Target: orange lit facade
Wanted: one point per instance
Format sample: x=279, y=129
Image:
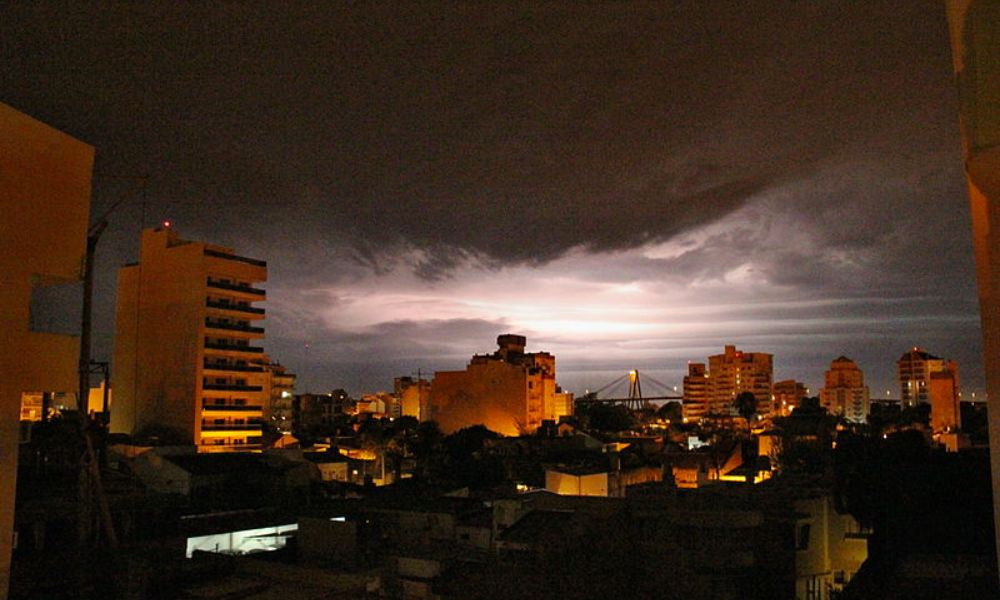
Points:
x=734, y=372
x=974, y=27
x=914, y=370
x=509, y=391
x=187, y=343
x=695, y=401
x=414, y=396
x=844, y=391
x=45, y=201
x=946, y=414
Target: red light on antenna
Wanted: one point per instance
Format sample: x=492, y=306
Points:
x=167, y=224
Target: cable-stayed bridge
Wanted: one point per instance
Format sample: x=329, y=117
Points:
x=635, y=399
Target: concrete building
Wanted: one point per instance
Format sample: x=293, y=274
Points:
x=319, y=411
x=914, y=369
x=45, y=201
x=974, y=27
x=414, y=396
x=946, y=413
x=844, y=391
x=509, y=391
x=829, y=548
x=186, y=343
x=279, y=387
x=786, y=396
x=734, y=372
x=695, y=402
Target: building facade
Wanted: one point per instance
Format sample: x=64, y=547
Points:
x=786, y=396
x=279, y=384
x=414, y=396
x=509, y=391
x=844, y=391
x=695, y=401
x=913, y=370
x=45, y=201
x=187, y=334
x=734, y=372
x=946, y=412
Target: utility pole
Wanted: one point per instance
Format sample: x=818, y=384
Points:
x=90, y=469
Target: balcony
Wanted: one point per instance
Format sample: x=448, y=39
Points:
x=244, y=427
x=233, y=347
x=228, y=306
x=235, y=257
x=234, y=287
x=240, y=368
x=231, y=387
x=233, y=326
x=232, y=408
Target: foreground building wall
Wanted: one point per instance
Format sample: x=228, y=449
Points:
x=45, y=203
x=975, y=31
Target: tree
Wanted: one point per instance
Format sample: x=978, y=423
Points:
x=672, y=411
x=605, y=417
x=746, y=405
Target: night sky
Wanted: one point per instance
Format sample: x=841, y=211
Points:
x=629, y=185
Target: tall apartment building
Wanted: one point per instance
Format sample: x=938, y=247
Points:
x=844, y=391
x=45, y=205
x=734, y=372
x=187, y=353
x=279, y=385
x=914, y=369
x=786, y=396
x=509, y=391
x=695, y=396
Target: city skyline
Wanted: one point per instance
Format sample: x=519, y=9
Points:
x=628, y=189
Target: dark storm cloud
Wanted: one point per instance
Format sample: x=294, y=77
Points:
x=748, y=154
x=508, y=133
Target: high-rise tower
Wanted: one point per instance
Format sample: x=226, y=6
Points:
x=187, y=354
x=844, y=391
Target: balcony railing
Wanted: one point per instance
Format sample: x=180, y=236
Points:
x=243, y=259
x=231, y=387
x=244, y=427
x=232, y=408
x=239, y=368
x=228, y=306
x=235, y=287
x=233, y=326
x=233, y=347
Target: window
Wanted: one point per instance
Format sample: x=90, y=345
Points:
x=802, y=539
x=240, y=401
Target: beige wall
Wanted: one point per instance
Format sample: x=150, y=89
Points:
x=45, y=203
x=493, y=394
x=160, y=336
x=567, y=484
x=975, y=28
